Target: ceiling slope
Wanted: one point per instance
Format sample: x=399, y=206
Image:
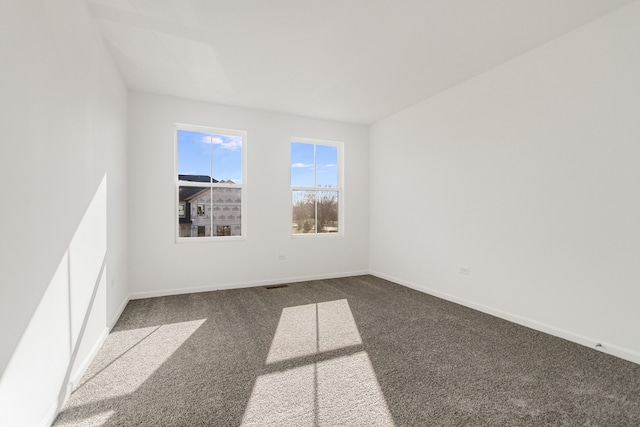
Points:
x=355, y=61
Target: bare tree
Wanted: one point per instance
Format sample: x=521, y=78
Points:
x=315, y=208
x=327, y=210
x=304, y=211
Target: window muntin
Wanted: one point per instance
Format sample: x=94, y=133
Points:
x=210, y=182
x=315, y=186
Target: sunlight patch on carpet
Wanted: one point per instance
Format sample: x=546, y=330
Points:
x=154, y=345
x=312, y=328
x=296, y=334
x=94, y=420
x=341, y=390
x=336, y=326
x=349, y=393
x=282, y=398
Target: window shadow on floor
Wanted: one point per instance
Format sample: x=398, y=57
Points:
x=256, y=356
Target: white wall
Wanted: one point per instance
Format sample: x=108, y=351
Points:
x=529, y=174
x=63, y=115
x=159, y=265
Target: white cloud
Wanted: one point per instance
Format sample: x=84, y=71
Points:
x=228, y=142
x=300, y=165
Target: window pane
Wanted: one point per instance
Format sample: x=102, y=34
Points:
x=227, y=211
x=304, y=212
x=194, y=156
x=302, y=165
x=194, y=211
x=327, y=208
x=326, y=166
x=227, y=158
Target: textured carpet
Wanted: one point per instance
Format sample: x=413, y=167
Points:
x=352, y=351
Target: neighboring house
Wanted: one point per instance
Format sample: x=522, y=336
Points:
x=204, y=211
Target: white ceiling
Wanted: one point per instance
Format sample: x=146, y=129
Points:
x=349, y=60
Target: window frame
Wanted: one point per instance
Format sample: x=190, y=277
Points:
x=177, y=184
x=339, y=189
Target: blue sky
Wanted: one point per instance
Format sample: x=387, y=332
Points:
x=305, y=172
x=196, y=151
x=220, y=156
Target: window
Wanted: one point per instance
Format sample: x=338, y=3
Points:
x=210, y=178
x=316, y=186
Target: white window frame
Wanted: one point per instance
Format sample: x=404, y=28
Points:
x=178, y=184
x=339, y=189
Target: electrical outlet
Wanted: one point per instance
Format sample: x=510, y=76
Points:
x=282, y=257
x=464, y=269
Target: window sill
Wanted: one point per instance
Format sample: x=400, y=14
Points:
x=316, y=235
x=182, y=240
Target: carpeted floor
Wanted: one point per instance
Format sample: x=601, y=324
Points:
x=352, y=351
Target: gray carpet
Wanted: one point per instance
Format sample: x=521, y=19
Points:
x=352, y=351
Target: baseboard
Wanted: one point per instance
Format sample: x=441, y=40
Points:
x=77, y=375
x=75, y=378
x=236, y=285
x=590, y=342
x=82, y=368
x=118, y=313
x=48, y=419
x=52, y=413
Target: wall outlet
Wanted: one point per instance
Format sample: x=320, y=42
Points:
x=282, y=257
x=464, y=269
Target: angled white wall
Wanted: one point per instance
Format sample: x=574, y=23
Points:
x=63, y=115
x=527, y=174
x=159, y=265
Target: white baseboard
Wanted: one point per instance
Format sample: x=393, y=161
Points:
x=118, y=313
x=77, y=375
x=236, y=285
x=82, y=368
x=590, y=342
x=48, y=419
x=52, y=413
